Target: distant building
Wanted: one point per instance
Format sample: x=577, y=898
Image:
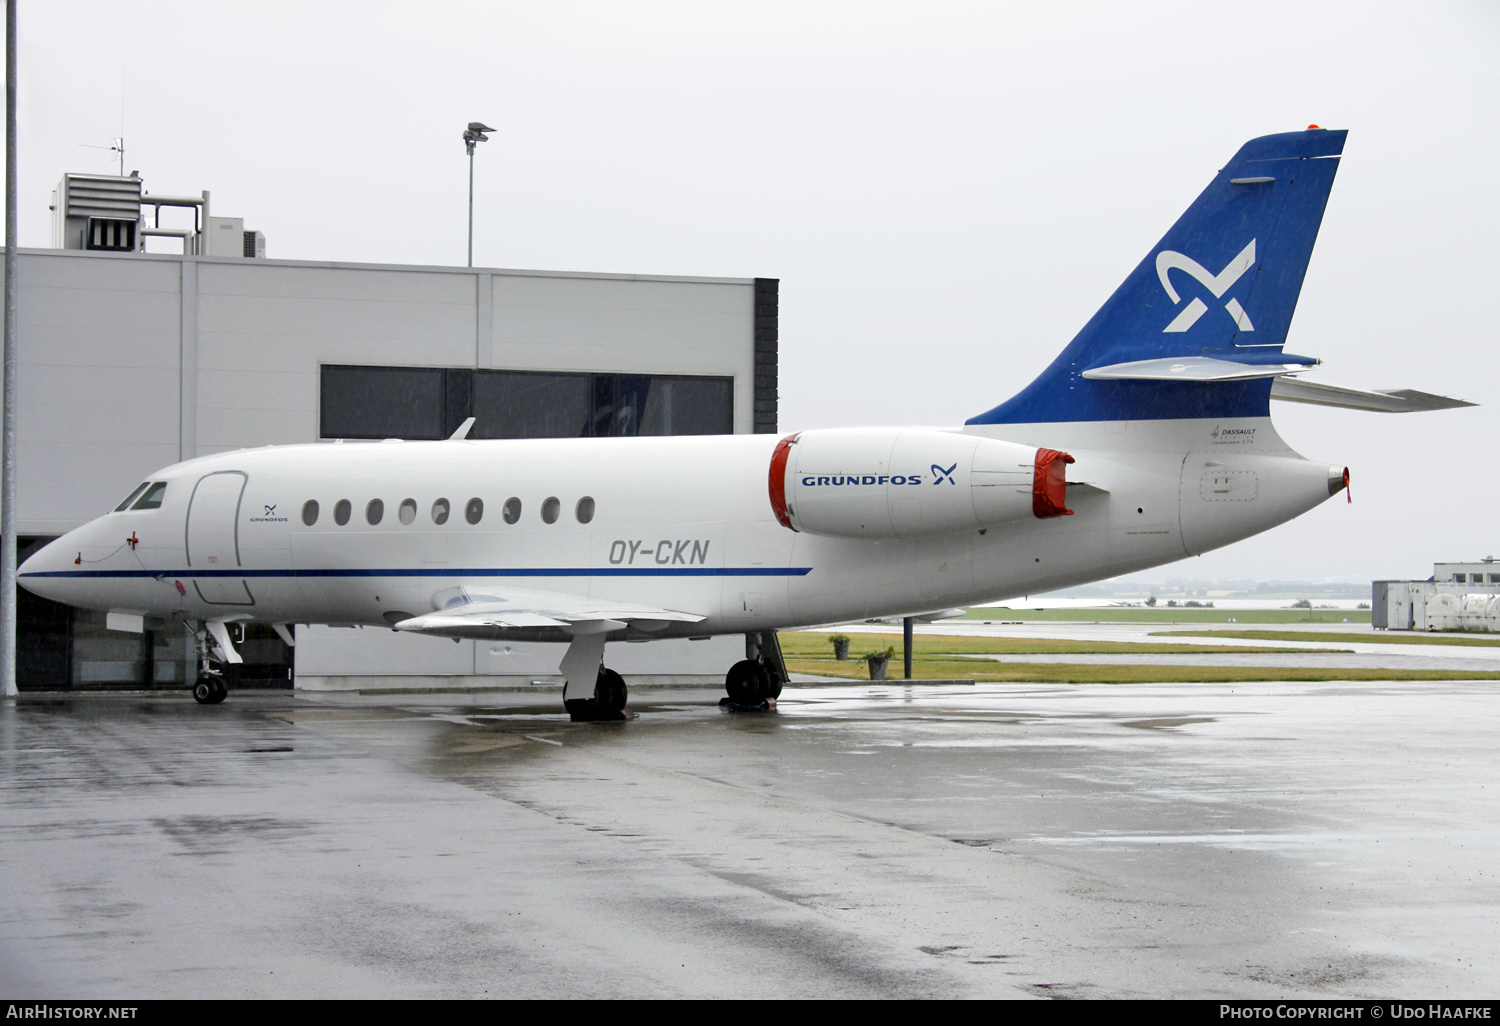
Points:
x=1458, y=596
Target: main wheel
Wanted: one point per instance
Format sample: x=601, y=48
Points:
x=580, y=710
x=610, y=694
x=209, y=691
x=221, y=691
x=747, y=682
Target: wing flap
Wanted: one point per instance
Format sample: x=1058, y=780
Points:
x=463, y=614
x=436, y=623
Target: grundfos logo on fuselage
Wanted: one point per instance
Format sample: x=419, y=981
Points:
x=269, y=518
x=939, y=476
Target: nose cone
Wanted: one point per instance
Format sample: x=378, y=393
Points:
x=50, y=571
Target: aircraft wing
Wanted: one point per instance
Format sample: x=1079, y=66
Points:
x=464, y=614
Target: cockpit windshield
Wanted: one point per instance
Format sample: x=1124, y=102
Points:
x=131, y=497
x=152, y=498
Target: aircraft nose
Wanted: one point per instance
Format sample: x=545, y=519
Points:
x=37, y=573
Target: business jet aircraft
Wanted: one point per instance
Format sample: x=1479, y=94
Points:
x=1147, y=440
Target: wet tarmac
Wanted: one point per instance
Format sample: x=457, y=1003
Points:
x=1322, y=840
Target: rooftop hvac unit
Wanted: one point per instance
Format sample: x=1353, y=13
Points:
x=222, y=236
x=227, y=237
x=81, y=199
x=109, y=233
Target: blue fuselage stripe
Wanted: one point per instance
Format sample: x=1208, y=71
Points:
x=611, y=571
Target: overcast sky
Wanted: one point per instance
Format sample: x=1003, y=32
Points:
x=947, y=191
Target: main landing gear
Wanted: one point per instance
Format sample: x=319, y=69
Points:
x=210, y=687
x=608, y=703
x=754, y=683
x=593, y=691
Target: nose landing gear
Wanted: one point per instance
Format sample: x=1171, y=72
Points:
x=582, y=665
x=210, y=687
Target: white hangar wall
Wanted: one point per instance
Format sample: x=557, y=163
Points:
x=129, y=362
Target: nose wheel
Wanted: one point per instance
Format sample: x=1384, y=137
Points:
x=210, y=687
x=210, y=690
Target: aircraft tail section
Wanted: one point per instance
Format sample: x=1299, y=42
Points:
x=1197, y=328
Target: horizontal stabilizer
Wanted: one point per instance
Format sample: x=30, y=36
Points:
x=1191, y=368
x=1404, y=400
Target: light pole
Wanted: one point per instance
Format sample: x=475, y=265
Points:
x=473, y=134
x=8, y=430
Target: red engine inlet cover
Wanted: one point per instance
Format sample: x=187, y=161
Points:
x=1049, y=485
x=778, y=480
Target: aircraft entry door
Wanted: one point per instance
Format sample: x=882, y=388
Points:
x=213, y=537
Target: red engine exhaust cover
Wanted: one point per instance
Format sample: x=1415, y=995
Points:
x=1049, y=485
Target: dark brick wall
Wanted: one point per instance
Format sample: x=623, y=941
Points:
x=766, y=300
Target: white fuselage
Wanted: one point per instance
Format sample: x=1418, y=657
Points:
x=680, y=523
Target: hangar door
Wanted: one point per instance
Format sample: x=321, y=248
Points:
x=213, y=538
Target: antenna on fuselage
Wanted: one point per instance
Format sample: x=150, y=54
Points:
x=463, y=431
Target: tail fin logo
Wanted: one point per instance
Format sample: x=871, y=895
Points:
x=1218, y=284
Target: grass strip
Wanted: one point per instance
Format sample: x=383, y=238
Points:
x=1137, y=614
x=815, y=645
x=1074, y=673
x=1364, y=639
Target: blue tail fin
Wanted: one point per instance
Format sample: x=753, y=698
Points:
x=1222, y=283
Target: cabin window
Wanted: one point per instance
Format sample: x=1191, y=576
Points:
x=512, y=511
x=310, y=512
x=549, y=510
x=341, y=512
x=474, y=511
x=152, y=498
x=132, y=496
x=374, y=512
x=408, y=511
x=440, y=510
x=584, y=511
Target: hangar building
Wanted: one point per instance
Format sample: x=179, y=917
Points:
x=131, y=360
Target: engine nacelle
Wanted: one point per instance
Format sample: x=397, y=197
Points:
x=907, y=483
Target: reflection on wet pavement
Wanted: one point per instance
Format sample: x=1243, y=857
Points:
x=1094, y=840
